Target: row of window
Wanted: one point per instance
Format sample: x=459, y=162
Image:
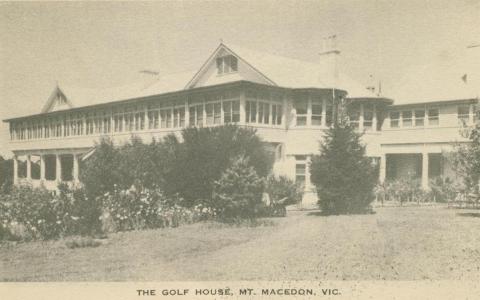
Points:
x=50, y=163
x=430, y=117
x=203, y=111
x=317, y=105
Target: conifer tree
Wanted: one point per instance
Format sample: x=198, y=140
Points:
x=238, y=192
x=343, y=175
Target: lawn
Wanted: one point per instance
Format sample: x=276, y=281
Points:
x=402, y=243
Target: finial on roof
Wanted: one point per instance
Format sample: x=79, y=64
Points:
x=221, y=41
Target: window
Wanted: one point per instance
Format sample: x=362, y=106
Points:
x=227, y=64
x=301, y=110
x=209, y=112
x=139, y=120
x=394, y=119
x=463, y=112
x=107, y=123
x=263, y=112
x=179, y=117
x=317, y=107
x=354, y=118
x=251, y=111
x=433, y=117
x=231, y=111
x=367, y=116
x=153, y=119
x=419, y=118
x=217, y=113
x=277, y=114
x=300, y=168
x=166, y=118
x=196, y=115
x=129, y=120
x=407, y=118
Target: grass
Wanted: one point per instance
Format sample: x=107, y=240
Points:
x=406, y=243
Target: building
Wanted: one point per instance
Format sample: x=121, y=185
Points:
x=290, y=103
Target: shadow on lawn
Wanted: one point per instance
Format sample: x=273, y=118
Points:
x=470, y=214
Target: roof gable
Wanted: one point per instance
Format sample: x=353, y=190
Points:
x=207, y=75
x=57, y=101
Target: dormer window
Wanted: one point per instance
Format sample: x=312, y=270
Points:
x=227, y=64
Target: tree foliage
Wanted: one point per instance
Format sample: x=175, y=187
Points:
x=343, y=175
x=238, y=193
x=204, y=154
x=466, y=159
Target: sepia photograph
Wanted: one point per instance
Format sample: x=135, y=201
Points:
x=241, y=149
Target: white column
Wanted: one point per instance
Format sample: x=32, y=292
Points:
x=75, y=168
x=15, y=170
x=42, y=167
x=425, y=170
x=147, y=119
x=374, y=120
x=360, y=120
x=187, y=114
x=243, y=118
x=58, y=171
x=29, y=168
x=285, y=112
x=324, y=112
x=383, y=168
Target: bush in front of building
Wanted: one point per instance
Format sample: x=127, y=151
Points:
x=465, y=160
x=238, y=192
x=282, y=192
x=205, y=154
x=6, y=175
x=343, y=175
x=100, y=172
x=139, y=208
x=35, y=213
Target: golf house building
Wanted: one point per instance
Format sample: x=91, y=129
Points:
x=289, y=102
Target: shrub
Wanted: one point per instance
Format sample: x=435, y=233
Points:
x=344, y=177
x=283, y=191
x=137, y=209
x=31, y=213
x=442, y=189
x=204, y=155
x=100, y=172
x=238, y=193
x=6, y=175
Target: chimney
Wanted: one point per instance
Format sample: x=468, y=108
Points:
x=330, y=54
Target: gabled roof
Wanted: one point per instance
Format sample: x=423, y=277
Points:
x=277, y=70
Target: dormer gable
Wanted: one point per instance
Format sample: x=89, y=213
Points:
x=224, y=66
x=57, y=101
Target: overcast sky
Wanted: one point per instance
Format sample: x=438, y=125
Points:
x=97, y=45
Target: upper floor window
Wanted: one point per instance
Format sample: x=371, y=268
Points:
x=419, y=118
x=407, y=118
x=433, y=117
x=367, y=116
x=394, y=119
x=227, y=64
x=301, y=107
x=354, y=118
x=463, y=112
x=317, y=109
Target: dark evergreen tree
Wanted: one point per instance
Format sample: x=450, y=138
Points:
x=344, y=177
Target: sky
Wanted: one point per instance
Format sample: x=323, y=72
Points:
x=106, y=44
